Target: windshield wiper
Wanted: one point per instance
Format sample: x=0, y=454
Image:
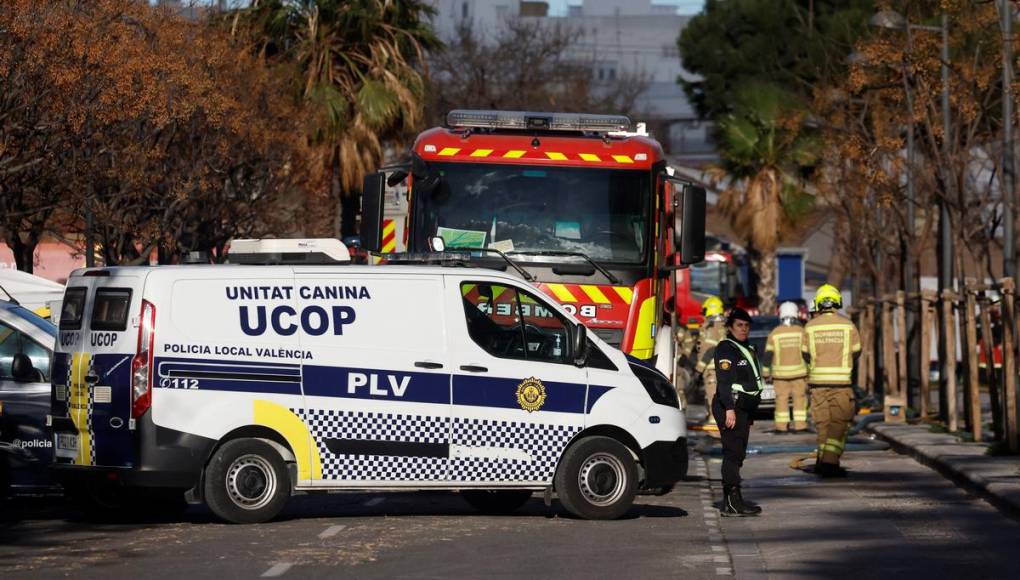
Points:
x=609, y=275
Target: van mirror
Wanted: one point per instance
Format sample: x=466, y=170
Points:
x=689, y=224
x=22, y=370
x=579, y=345
x=373, y=193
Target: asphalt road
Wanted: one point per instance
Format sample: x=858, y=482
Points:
x=892, y=517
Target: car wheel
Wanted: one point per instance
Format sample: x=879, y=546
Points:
x=597, y=479
x=496, y=502
x=246, y=482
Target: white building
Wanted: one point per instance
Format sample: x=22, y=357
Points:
x=636, y=37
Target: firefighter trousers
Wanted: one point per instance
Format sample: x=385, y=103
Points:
x=708, y=379
x=787, y=391
x=832, y=409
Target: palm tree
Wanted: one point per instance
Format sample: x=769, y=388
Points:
x=359, y=64
x=767, y=151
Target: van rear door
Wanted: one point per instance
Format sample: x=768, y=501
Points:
x=92, y=368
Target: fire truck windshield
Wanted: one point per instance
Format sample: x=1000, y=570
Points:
x=603, y=213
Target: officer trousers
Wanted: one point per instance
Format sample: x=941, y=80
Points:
x=787, y=389
x=708, y=379
x=832, y=409
x=734, y=442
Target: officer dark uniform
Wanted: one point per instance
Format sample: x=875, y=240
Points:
x=740, y=383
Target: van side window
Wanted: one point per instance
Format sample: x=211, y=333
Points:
x=509, y=323
x=13, y=342
x=72, y=309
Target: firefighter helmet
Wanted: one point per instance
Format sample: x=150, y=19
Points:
x=712, y=306
x=828, y=298
x=788, y=311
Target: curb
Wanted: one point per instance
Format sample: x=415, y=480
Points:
x=1004, y=496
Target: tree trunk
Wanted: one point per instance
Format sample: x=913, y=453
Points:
x=349, y=219
x=765, y=266
x=336, y=195
x=24, y=253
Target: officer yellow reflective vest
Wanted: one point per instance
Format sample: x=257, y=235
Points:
x=759, y=382
x=831, y=343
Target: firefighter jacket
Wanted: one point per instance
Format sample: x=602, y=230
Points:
x=784, y=357
x=737, y=371
x=711, y=333
x=831, y=347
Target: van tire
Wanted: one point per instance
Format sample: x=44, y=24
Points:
x=246, y=482
x=497, y=502
x=596, y=479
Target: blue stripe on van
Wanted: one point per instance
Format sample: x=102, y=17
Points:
x=479, y=391
x=229, y=375
x=322, y=381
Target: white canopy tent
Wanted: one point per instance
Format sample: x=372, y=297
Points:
x=30, y=291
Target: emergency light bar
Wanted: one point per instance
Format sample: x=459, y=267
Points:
x=462, y=118
x=289, y=251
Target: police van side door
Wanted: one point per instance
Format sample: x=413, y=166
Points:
x=377, y=385
x=517, y=398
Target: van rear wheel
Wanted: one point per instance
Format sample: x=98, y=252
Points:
x=597, y=479
x=246, y=482
x=496, y=502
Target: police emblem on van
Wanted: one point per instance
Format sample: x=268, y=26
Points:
x=531, y=394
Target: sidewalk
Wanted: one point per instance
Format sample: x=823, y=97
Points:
x=996, y=479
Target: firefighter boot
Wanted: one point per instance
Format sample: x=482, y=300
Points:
x=733, y=503
x=829, y=470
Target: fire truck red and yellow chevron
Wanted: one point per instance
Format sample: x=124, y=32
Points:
x=532, y=154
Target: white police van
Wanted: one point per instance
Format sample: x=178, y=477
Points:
x=240, y=385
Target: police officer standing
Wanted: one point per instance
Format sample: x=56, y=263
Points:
x=784, y=361
x=832, y=346
x=712, y=331
x=739, y=392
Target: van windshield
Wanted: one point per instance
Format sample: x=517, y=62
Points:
x=603, y=213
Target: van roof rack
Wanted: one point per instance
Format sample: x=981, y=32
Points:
x=461, y=257
x=288, y=251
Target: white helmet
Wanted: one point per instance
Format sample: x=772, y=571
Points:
x=788, y=311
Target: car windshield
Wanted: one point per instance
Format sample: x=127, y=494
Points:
x=602, y=213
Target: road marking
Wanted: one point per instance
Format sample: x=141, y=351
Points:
x=724, y=571
x=718, y=549
x=374, y=501
x=331, y=531
x=720, y=559
x=278, y=569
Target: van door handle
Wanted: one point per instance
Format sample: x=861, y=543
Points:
x=424, y=364
x=474, y=369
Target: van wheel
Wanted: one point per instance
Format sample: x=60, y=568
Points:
x=246, y=482
x=496, y=502
x=596, y=479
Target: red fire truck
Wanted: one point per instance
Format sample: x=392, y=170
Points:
x=587, y=209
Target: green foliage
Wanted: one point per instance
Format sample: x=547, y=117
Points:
x=792, y=43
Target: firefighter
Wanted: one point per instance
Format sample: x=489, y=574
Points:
x=685, y=341
x=832, y=346
x=784, y=362
x=739, y=394
x=712, y=331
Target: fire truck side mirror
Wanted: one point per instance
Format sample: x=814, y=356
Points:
x=372, y=195
x=689, y=224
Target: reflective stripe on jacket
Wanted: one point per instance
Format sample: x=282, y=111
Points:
x=786, y=344
x=832, y=340
x=752, y=361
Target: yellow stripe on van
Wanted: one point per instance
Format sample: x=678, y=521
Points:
x=78, y=406
x=294, y=430
x=595, y=294
x=561, y=293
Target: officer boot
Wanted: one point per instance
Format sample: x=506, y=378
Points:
x=751, y=507
x=733, y=504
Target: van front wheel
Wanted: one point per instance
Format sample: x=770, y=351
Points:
x=246, y=482
x=596, y=479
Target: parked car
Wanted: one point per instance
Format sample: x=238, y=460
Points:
x=761, y=326
x=26, y=447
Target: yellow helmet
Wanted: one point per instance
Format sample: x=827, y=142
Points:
x=828, y=297
x=712, y=306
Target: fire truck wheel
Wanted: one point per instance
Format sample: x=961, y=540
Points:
x=596, y=479
x=496, y=502
x=246, y=482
